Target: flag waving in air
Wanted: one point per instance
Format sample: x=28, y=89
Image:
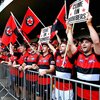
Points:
x=9, y=35
x=61, y=16
x=30, y=21
x=60, y=22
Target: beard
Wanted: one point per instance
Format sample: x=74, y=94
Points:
x=86, y=51
x=62, y=52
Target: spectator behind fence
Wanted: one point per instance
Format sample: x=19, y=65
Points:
x=46, y=66
x=31, y=76
x=87, y=63
x=24, y=55
x=63, y=89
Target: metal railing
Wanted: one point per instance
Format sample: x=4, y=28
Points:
x=29, y=85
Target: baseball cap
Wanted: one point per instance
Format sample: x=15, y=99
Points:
x=34, y=44
x=44, y=43
x=86, y=37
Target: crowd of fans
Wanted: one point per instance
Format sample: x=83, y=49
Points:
x=67, y=59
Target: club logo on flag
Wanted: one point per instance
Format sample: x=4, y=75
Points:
x=29, y=21
x=8, y=31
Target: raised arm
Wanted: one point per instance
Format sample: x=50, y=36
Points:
x=93, y=34
x=52, y=48
x=70, y=39
x=58, y=38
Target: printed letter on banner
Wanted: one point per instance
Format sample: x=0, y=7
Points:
x=78, y=11
x=45, y=34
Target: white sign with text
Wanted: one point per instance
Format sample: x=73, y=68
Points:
x=78, y=11
x=45, y=34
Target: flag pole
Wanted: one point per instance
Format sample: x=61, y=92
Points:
x=38, y=18
x=68, y=41
x=67, y=48
x=65, y=9
x=18, y=42
x=8, y=48
x=21, y=32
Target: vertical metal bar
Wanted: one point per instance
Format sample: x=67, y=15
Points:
x=46, y=88
x=18, y=82
x=81, y=91
x=99, y=93
x=58, y=88
x=31, y=85
x=75, y=91
x=24, y=86
x=51, y=87
x=90, y=93
x=69, y=90
x=63, y=90
x=43, y=89
x=54, y=87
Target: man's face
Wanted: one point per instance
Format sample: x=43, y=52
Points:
x=45, y=48
x=34, y=47
x=22, y=49
x=86, y=46
x=62, y=48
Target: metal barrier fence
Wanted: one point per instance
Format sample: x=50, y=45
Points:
x=38, y=86
x=5, y=92
x=70, y=89
x=29, y=85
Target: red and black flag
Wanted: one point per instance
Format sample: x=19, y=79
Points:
x=9, y=35
x=53, y=33
x=60, y=22
x=22, y=35
x=30, y=21
x=25, y=37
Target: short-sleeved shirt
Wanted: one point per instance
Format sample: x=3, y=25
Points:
x=64, y=71
x=88, y=70
x=44, y=64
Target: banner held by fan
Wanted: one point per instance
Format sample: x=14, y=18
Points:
x=45, y=34
x=78, y=11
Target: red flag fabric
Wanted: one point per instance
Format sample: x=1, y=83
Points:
x=9, y=35
x=61, y=16
x=52, y=34
x=60, y=22
x=30, y=21
x=25, y=37
x=13, y=38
